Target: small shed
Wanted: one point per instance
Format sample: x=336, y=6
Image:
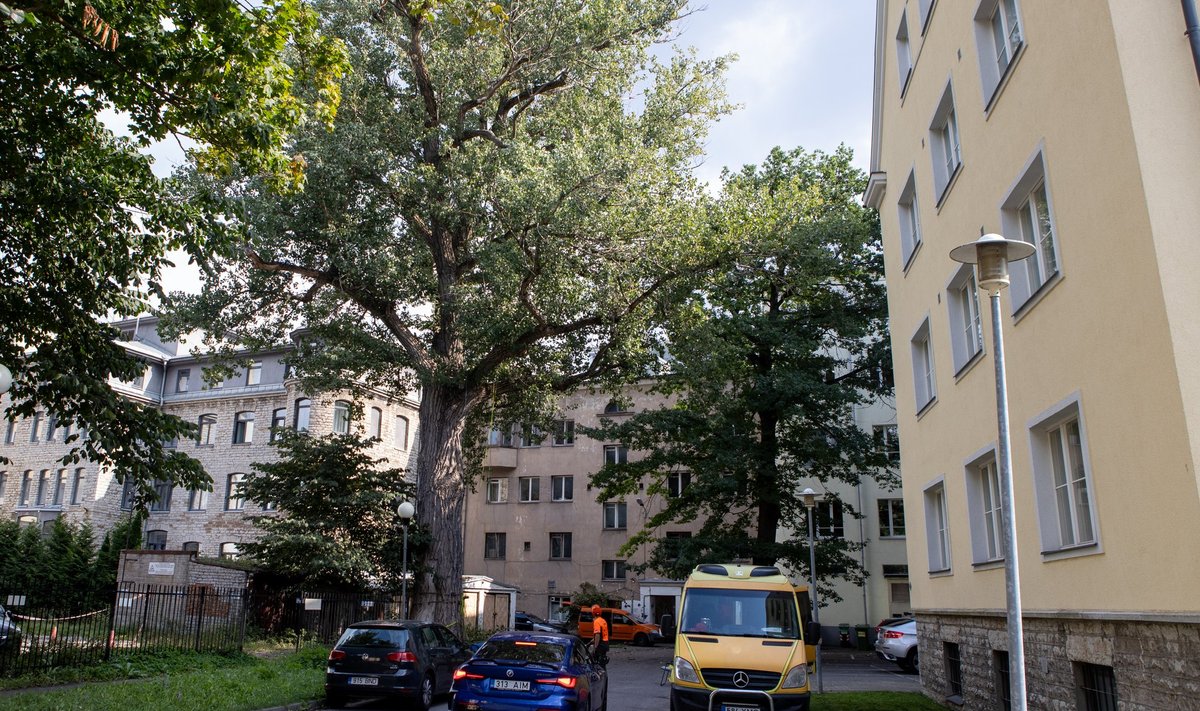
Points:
x=488, y=604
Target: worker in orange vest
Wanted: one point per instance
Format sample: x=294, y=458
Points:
x=599, y=635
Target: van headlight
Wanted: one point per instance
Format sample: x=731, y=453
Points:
x=796, y=678
x=684, y=671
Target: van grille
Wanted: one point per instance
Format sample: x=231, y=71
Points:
x=759, y=680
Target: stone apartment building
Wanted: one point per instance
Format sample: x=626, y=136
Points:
x=1074, y=127
x=235, y=418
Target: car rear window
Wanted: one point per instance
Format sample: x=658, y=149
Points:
x=522, y=651
x=377, y=637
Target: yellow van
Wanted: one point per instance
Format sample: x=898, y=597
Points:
x=740, y=642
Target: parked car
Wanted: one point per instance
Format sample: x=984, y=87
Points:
x=897, y=643
x=621, y=627
x=531, y=670
x=406, y=660
x=890, y=621
x=533, y=623
x=10, y=634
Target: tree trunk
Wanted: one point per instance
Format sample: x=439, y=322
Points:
x=440, y=501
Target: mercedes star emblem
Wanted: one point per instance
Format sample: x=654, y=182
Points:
x=741, y=679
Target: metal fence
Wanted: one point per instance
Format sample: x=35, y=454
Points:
x=321, y=617
x=141, y=618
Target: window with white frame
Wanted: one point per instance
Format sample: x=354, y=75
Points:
x=616, y=454
x=531, y=487
x=494, y=545
x=998, y=39
x=60, y=488
x=612, y=570
x=52, y=426
x=562, y=488
x=501, y=436
x=615, y=516
x=278, y=422
x=903, y=53
x=1027, y=214
x=677, y=482
x=206, y=435
x=303, y=412
x=910, y=221
x=497, y=490
x=564, y=433
x=966, y=328
x=375, y=423
x=887, y=441
x=924, y=382
x=254, y=373
x=37, y=425
x=937, y=531
x=10, y=432
x=983, y=502
x=531, y=435
x=156, y=540
x=181, y=380
x=3, y=484
x=891, y=518
x=1062, y=481
x=229, y=551
x=197, y=499
x=400, y=435
x=925, y=10
x=162, y=495
x=243, y=428
x=560, y=546
x=341, y=417
x=26, y=486
x=77, y=486
x=945, y=147
x=234, y=501
x=828, y=519
x=45, y=487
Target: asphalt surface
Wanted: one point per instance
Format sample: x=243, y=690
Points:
x=636, y=677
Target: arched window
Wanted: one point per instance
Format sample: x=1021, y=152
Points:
x=229, y=550
x=156, y=540
x=613, y=406
x=243, y=428
x=341, y=417
x=278, y=422
x=233, y=493
x=303, y=407
x=375, y=423
x=208, y=427
x=192, y=546
x=401, y=433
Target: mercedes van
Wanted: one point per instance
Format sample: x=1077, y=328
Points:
x=740, y=644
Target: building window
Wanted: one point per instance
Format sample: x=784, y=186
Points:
x=60, y=488
x=1062, y=482
x=400, y=436
x=828, y=519
x=1096, y=687
x=612, y=570
x=966, y=330
x=564, y=433
x=37, y=424
x=899, y=596
x=191, y=547
x=254, y=373
x=615, y=516
x=925, y=10
x=562, y=488
x=501, y=436
x=891, y=518
x=243, y=428
x=233, y=493
x=613, y=407
x=127, y=494
x=924, y=381
x=497, y=490
x=675, y=543
x=530, y=488
x=26, y=485
x=910, y=220
x=77, y=488
x=998, y=39
x=1027, y=215
x=1001, y=678
x=558, y=608
x=937, y=533
x=887, y=442
x=677, y=482
x=156, y=540
x=162, y=496
x=3, y=485
x=197, y=500
x=616, y=454
x=51, y=427
x=10, y=433
x=531, y=435
x=560, y=546
x=945, y=146
x=66, y=432
x=341, y=417
x=953, y=670
x=207, y=432
x=494, y=545
x=44, y=487
x=181, y=380
x=303, y=410
x=903, y=53
x=278, y=422
x=230, y=551
x=375, y=423
x=983, y=500
x=216, y=384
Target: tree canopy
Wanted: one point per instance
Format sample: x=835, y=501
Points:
x=770, y=358
x=496, y=217
x=87, y=225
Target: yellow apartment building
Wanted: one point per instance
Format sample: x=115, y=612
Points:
x=1074, y=126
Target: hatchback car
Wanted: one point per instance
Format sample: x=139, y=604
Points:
x=897, y=643
x=406, y=660
x=531, y=670
x=528, y=622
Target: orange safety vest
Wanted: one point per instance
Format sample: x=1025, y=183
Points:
x=600, y=624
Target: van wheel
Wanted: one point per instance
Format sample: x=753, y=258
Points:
x=641, y=639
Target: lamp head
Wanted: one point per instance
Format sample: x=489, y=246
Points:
x=810, y=498
x=992, y=253
x=406, y=510
x=5, y=379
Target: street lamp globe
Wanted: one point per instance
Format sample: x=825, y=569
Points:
x=406, y=510
x=5, y=379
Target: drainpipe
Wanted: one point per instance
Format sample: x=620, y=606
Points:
x=1192, y=21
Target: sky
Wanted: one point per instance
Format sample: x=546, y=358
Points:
x=803, y=78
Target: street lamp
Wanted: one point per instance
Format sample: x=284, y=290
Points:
x=5, y=379
x=406, y=511
x=810, y=502
x=991, y=254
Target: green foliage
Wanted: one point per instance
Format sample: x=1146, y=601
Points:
x=771, y=357
x=87, y=225
x=341, y=530
x=874, y=700
x=63, y=572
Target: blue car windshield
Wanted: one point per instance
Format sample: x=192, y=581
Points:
x=740, y=613
x=522, y=651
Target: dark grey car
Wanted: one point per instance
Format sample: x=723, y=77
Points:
x=405, y=660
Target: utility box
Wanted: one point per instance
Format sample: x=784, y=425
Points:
x=860, y=631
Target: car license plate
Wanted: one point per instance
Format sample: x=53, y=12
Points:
x=364, y=681
x=510, y=685
x=738, y=707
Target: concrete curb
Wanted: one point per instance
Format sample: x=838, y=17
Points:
x=298, y=706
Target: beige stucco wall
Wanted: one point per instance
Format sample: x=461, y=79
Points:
x=1116, y=331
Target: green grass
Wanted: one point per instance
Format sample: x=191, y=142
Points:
x=873, y=701
x=186, y=682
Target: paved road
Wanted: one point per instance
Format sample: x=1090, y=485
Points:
x=635, y=674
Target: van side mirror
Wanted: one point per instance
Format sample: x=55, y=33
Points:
x=812, y=634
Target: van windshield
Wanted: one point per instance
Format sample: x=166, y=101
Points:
x=740, y=613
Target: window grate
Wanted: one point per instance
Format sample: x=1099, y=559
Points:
x=1003, y=679
x=1098, y=686
x=953, y=668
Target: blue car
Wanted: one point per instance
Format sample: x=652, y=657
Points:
x=522, y=671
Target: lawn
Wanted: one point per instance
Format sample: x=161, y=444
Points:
x=873, y=701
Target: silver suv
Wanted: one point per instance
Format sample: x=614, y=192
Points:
x=897, y=643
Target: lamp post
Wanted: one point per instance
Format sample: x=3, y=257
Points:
x=406, y=511
x=810, y=502
x=991, y=254
x=5, y=378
